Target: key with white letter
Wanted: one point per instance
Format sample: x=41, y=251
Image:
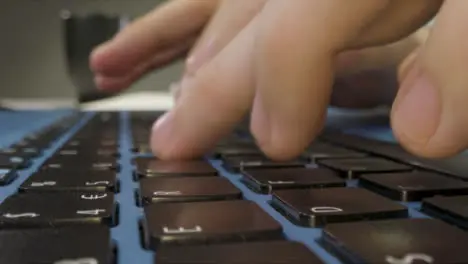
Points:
x=57, y=209
x=207, y=222
x=187, y=189
x=69, y=180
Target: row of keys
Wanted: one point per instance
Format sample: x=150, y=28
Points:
x=214, y=225
x=58, y=209
x=384, y=243
x=80, y=245
x=20, y=155
x=93, y=148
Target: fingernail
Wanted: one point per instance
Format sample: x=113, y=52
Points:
x=199, y=57
x=98, y=81
x=160, y=122
x=417, y=113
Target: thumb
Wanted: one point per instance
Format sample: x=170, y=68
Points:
x=429, y=115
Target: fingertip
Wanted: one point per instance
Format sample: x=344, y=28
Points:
x=276, y=141
x=111, y=83
x=167, y=143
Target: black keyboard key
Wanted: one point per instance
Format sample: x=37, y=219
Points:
x=152, y=167
x=239, y=163
x=77, y=164
x=207, y=222
x=46, y=209
x=452, y=209
x=72, y=180
x=12, y=162
x=142, y=148
x=413, y=186
x=319, y=150
x=236, y=151
x=267, y=180
x=91, y=151
x=284, y=252
x=319, y=207
x=77, y=245
x=353, y=168
x=7, y=176
x=25, y=153
x=409, y=241
x=187, y=189
x=455, y=165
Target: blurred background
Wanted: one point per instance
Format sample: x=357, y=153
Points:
x=32, y=59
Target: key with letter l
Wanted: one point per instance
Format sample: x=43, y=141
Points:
x=399, y=241
x=46, y=209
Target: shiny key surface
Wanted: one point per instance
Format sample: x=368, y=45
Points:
x=207, y=222
x=71, y=180
x=266, y=180
x=57, y=245
x=319, y=207
x=7, y=176
x=274, y=252
x=321, y=150
x=353, y=168
x=57, y=209
x=8, y=161
x=106, y=140
x=152, y=167
x=187, y=189
x=413, y=186
x=453, y=210
x=239, y=163
x=397, y=241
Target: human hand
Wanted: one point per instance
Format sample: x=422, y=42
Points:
x=276, y=59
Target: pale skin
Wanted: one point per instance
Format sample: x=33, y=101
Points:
x=278, y=61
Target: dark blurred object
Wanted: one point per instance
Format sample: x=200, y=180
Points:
x=80, y=35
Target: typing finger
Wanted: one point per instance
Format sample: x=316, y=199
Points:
x=165, y=26
x=429, y=115
x=230, y=18
x=212, y=102
x=295, y=56
x=161, y=59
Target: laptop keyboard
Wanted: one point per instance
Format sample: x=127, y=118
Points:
x=84, y=188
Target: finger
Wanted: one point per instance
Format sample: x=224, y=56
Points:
x=229, y=20
x=161, y=59
x=295, y=55
x=211, y=103
x=166, y=25
x=400, y=19
x=420, y=37
x=429, y=116
x=368, y=78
